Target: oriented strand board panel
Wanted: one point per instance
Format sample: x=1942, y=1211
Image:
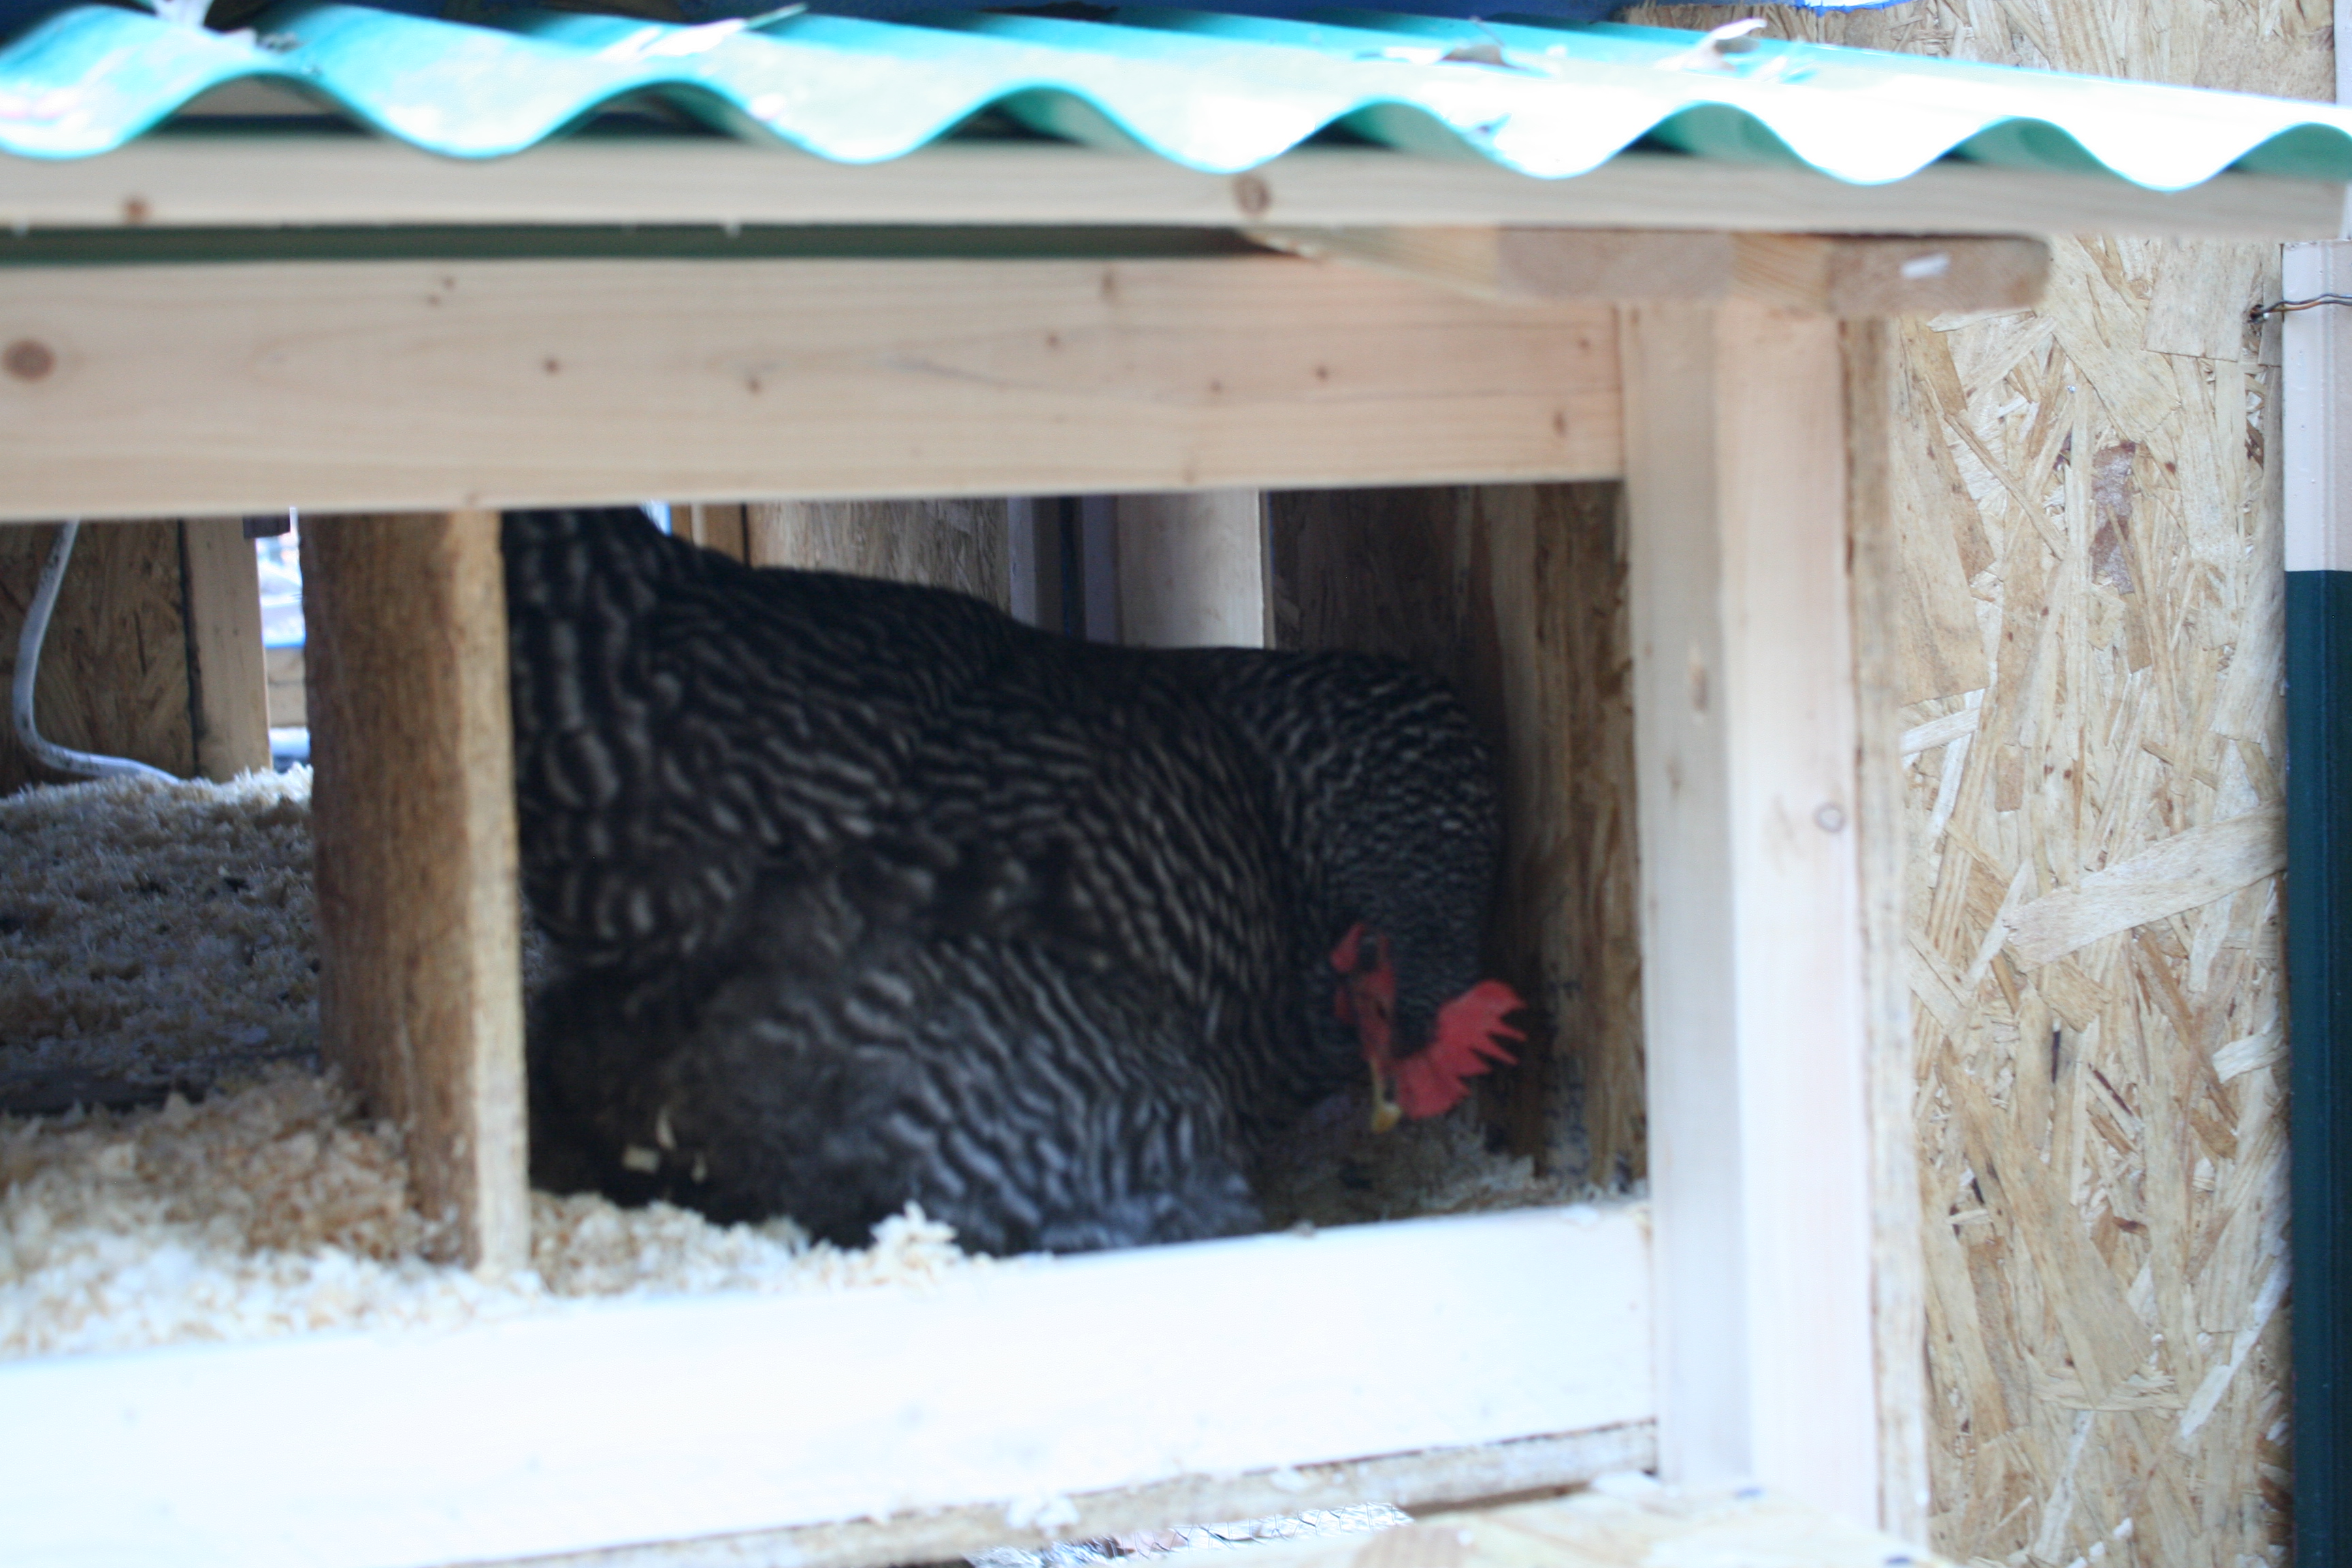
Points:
x=1517, y=594
x=2089, y=521
x=114, y=670
x=958, y=544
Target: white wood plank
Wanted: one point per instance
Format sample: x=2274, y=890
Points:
x=1753, y=982
x=228, y=679
x=1432, y=1477
x=688, y=1417
x=420, y=386
x=343, y=179
x=1191, y=570
x=2315, y=410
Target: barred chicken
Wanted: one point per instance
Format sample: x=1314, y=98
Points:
x=862, y=893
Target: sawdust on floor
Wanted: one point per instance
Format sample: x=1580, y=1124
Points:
x=157, y=976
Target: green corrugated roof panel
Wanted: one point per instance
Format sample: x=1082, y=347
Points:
x=1213, y=93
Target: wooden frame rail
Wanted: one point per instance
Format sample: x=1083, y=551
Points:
x=372, y=386
x=1786, y=1343
x=337, y=178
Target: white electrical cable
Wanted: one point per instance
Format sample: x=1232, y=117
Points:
x=64, y=759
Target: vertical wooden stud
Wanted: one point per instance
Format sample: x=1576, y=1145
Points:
x=1898, y=1262
x=414, y=824
x=1191, y=570
x=228, y=682
x=951, y=543
x=715, y=525
x=1755, y=984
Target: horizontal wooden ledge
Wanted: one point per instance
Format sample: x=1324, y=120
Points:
x=1435, y=1478
x=1005, y=1387
x=380, y=386
x=1836, y=275
x=282, y=178
x=1632, y=1523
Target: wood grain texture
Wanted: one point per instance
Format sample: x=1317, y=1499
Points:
x=715, y=525
x=365, y=386
x=228, y=681
x=1754, y=986
x=2103, y=1136
x=1853, y=276
x=288, y=704
x=1899, y=1263
x=1838, y=276
x=958, y=544
x=114, y=669
x=414, y=840
x=231, y=182
x=1622, y=1525
x=1412, y=1482
x=1515, y=594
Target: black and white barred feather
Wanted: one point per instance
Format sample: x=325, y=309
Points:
x=864, y=894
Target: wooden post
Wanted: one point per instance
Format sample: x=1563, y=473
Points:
x=414, y=818
x=1191, y=570
x=714, y=525
x=1755, y=981
x=1898, y=1259
x=228, y=681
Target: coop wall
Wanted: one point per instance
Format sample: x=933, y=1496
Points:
x=2091, y=568
x=1517, y=595
x=958, y=544
x=114, y=670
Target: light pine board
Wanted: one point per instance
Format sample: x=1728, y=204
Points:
x=1898, y=1267
x=1837, y=276
x=1191, y=570
x=1754, y=985
x=1012, y=1386
x=1622, y=1523
x=375, y=386
x=1432, y=1477
x=229, y=682
x=340, y=179
x=2089, y=503
x=413, y=832
x=953, y=543
x=715, y=525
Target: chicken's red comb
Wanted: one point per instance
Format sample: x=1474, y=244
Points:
x=1470, y=1035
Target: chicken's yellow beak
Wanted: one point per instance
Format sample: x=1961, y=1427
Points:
x=1385, y=1114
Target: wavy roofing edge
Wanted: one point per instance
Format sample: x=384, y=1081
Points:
x=1218, y=93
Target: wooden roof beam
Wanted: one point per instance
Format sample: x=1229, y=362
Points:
x=1833, y=274
x=234, y=181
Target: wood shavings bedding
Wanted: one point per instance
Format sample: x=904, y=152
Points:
x=268, y=1210
x=151, y=934
x=156, y=938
